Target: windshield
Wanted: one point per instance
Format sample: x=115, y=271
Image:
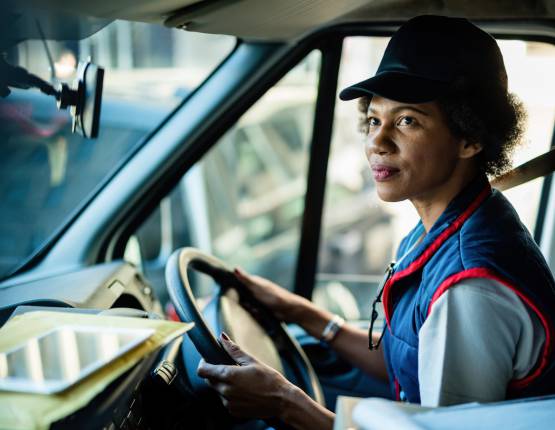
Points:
x=46, y=172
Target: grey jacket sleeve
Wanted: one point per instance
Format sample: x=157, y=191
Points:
x=478, y=337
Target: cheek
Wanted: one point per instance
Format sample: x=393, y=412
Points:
x=420, y=160
x=367, y=148
x=431, y=155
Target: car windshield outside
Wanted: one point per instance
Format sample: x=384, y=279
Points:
x=46, y=172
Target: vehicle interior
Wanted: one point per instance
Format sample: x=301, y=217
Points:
x=221, y=142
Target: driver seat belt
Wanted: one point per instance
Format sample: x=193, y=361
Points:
x=542, y=165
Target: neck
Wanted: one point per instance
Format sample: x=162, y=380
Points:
x=431, y=205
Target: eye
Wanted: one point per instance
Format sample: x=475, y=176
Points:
x=373, y=121
x=406, y=121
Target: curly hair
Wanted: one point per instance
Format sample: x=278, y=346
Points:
x=492, y=117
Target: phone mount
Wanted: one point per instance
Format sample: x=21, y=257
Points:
x=83, y=98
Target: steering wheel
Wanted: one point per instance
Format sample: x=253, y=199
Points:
x=235, y=310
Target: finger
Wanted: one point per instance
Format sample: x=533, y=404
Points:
x=225, y=402
x=240, y=272
x=240, y=356
x=240, y=409
x=224, y=390
x=219, y=372
x=233, y=409
x=245, y=278
x=205, y=370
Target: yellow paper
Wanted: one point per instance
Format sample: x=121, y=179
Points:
x=39, y=411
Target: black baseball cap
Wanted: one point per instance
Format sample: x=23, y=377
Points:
x=427, y=54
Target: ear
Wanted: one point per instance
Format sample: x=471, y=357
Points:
x=469, y=149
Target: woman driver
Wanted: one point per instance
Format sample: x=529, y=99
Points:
x=470, y=303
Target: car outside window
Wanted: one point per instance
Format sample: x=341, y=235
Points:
x=46, y=172
x=359, y=240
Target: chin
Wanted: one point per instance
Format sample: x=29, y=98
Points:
x=390, y=194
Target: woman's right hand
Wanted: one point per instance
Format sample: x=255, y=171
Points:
x=286, y=306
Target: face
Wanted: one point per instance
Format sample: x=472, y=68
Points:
x=411, y=151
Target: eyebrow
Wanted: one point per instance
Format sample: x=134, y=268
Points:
x=400, y=108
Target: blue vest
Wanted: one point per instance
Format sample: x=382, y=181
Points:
x=479, y=235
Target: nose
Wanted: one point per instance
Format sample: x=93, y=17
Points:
x=379, y=141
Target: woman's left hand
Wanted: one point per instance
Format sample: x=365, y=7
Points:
x=249, y=390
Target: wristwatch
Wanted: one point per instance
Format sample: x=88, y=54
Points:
x=331, y=329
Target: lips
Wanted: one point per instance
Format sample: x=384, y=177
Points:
x=382, y=172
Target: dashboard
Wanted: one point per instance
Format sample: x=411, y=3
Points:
x=151, y=395
x=157, y=393
x=100, y=287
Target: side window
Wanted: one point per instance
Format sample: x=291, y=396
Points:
x=530, y=67
x=243, y=201
x=360, y=233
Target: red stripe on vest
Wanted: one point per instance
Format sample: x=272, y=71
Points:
x=397, y=390
x=482, y=272
x=434, y=246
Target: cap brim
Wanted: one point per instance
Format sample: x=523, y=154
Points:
x=397, y=86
